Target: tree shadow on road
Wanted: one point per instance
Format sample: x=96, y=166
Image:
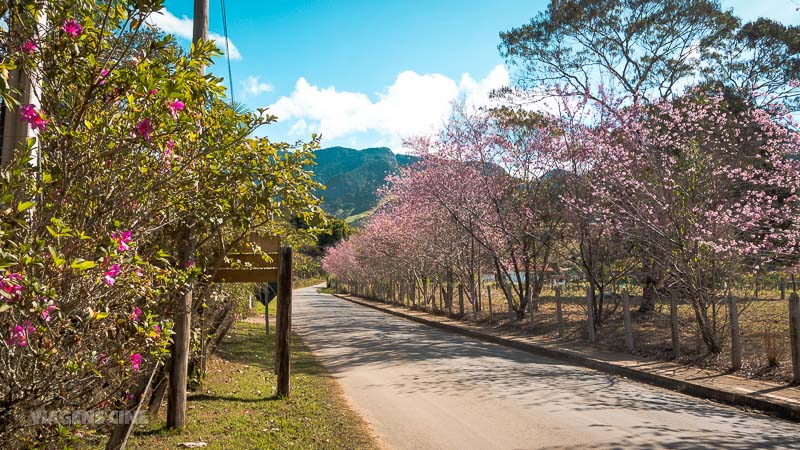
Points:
x=345, y=335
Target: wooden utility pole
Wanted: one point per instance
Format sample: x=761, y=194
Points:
x=16, y=132
x=176, y=405
x=284, y=321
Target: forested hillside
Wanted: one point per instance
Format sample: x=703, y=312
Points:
x=353, y=176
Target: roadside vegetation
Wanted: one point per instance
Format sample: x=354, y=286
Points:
x=137, y=177
x=235, y=406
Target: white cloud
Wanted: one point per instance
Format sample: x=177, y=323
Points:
x=414, y=104
x=182, y=27
x=253, y=87
x=299, y=128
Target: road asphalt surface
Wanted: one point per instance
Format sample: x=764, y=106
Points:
x=421, y=388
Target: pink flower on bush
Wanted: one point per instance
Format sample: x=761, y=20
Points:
x=122, y=238
x=144, y=128
x=11, y=285
x=138, y=271
x=175, y=106
x=72, y=27
x=136, y=314
x=47, y=312
x=29, y=47
x=29, y=113
x=20, y=334
x=103, y=74
x=136, y=361
x=110, y=276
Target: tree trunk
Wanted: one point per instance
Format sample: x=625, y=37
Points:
x=649, y=284
x=626, y=315
x=590, y=321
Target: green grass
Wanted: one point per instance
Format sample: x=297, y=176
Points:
x=236, y=406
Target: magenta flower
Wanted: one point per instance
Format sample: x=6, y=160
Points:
x=166, y=157
x=175, y=106
x=20, y=334
x=136, y=314
x=29, y=47
x=29, y=113
x=72, y=27
x=103, y=74
x=122, y=238
x=136, y=361
x=144, y=128
x=138, y=271
x=11, y=285
x=110, y=276
x=47, y=312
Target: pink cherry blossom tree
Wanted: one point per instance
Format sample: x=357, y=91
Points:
x=710, y=190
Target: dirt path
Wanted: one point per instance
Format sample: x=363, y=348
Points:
x=421, y=388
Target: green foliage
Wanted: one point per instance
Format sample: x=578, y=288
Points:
x=138, y=146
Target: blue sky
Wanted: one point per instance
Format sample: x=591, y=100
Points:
x=368, y=73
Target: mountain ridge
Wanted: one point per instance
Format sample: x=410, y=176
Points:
x=352, y=177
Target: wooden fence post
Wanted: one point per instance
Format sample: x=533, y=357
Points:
x=284, y=324
x=673, y=320
x=425, y=294
x=794, y=334
x=736, y=347
x=782, y=286
x=491, y=311
x=449, y=293
x=559, y=313
x=626, y=315
x=176, y=400
x=590, y=313
x=475, y=306
x=133, y=406
x=460, y=301
x=159, y=391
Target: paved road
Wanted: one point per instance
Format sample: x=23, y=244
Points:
x=421, y=388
